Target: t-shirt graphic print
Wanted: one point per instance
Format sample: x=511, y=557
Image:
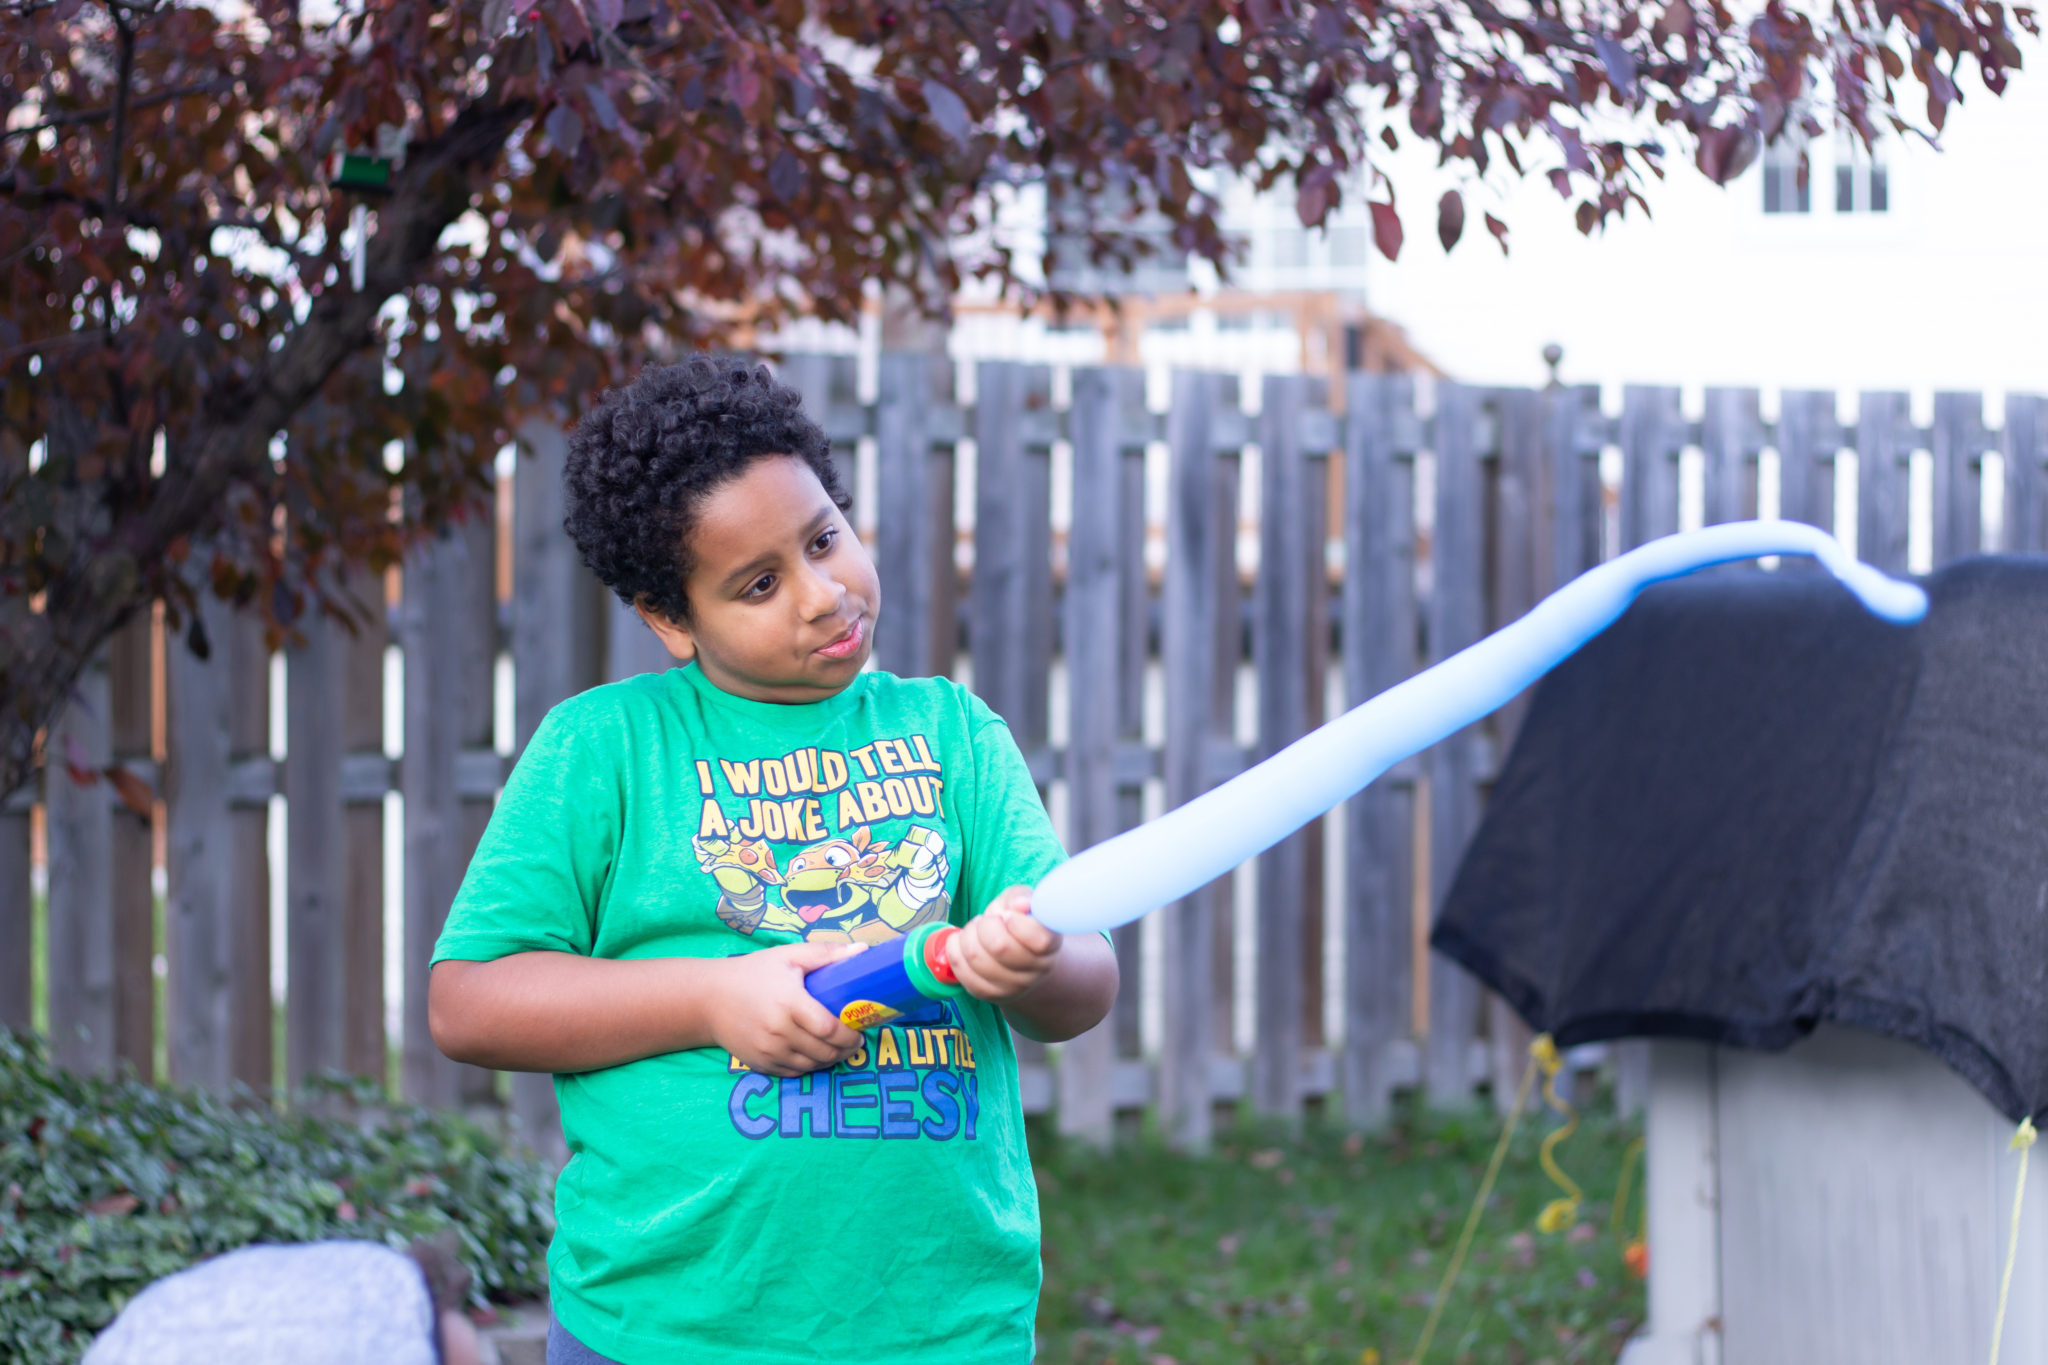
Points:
x=845, y=884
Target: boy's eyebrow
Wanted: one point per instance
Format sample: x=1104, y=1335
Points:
x=752, y=568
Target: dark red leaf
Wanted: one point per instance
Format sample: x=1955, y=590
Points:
x=1620, y=65
x=1726, y=152
x=1312, y=203
x=114, y=1205
x=565, y=129
x=134, y=792
x=1499, y=231
x=1386, y=230
x=743, y=85
x=786, y=175
x=948, y=110
x=1450, y=218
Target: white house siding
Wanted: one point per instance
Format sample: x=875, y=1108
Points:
x=1948, y=289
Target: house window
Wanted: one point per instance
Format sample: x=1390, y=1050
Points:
x=1861, y=182
x=1787, y=187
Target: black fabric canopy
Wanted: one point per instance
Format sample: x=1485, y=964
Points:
x=1750, y=807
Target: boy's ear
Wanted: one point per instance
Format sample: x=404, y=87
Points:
x=674, y=636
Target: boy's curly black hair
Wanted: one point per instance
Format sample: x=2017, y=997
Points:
x=642, y=461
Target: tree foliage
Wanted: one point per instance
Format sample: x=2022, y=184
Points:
x=209, y=344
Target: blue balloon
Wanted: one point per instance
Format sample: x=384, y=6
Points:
x=1157, y=863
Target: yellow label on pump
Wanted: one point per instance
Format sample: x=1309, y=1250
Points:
x=866, y=1014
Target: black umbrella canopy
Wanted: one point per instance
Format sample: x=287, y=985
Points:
x=1750, y=807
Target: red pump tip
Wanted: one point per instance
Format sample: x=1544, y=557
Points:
x=935, y=955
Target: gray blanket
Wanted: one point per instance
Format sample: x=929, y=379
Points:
x=1750, y=807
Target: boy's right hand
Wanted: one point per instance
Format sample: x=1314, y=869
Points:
x=765, y=1018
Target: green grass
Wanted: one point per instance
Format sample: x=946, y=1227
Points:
x=1329, y=1247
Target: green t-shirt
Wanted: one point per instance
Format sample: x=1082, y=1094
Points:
x=878, y=1212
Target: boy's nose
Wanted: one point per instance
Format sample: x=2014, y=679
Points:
x=822, y=595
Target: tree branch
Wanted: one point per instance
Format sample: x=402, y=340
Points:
x=433, y=190
x=90, y=598
x=145, y=102
x=28, y=192
x=122, y=84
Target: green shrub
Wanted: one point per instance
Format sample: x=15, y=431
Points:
x=106, y=1185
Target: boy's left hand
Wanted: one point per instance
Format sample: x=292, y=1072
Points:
x=1003, y=952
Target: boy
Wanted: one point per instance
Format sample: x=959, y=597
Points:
x=751, y=1180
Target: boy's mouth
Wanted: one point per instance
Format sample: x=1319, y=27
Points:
x=848, y=644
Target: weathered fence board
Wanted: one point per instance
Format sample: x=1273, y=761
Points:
x=334, y=850
x=1957, y=442
x=2026, y=482
x=17, y=873
x=1200, y=532
x=217, y=860
x=365, y=1051
x=449, y=620
x=1574, y=433
x=1808, y=437
x=1135, y=647
x=1108, y=420
x=556, y=620
x=1379, y=642
x=1652, y=433
x=1456, y=616
x=916, y=428
x=17, y=911
x=1289, y=702
x=1731, y=438
x=1010, y=630
x=830, y=385
x=1884, y=442
x=316, y=831
x=1520, y=565
x=1125, y=606
x=133, y=847
x=79, y=830
x=1011, y=623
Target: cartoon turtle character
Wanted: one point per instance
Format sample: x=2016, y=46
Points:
x=744, y=870
x=850, y=890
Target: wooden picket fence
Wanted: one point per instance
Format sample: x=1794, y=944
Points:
x=1079, y=628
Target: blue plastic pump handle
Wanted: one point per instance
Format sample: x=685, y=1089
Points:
x=1157, y=863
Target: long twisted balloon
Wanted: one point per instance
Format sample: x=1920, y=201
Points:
x=1155, y=864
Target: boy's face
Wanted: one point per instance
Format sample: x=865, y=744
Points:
x=782, y=596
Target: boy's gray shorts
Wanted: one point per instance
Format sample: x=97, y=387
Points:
x=564, y=1349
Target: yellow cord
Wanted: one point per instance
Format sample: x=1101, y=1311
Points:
x=1500, y=1151
x=2023, y=1143
x=1559, y=1213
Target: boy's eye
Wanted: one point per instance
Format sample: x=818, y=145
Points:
x=761, y=586
x=824, y=540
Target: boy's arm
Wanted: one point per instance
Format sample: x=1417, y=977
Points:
x=563, y=1012
x=1071, y=998
x=1051, y=986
